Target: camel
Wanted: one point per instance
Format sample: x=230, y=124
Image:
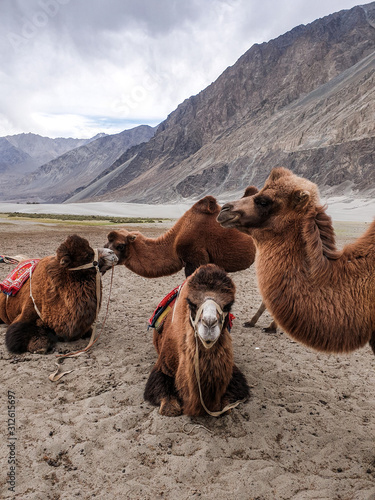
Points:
x=200, y=312
x=195, y=239
x=65, y=298
x=323, y=297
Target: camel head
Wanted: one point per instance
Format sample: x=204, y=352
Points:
x=283, y=200
x=76, y=251
x=210, y=295
x=119, y=242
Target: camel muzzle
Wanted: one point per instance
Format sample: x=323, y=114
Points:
x=227, y=217
x=210, y=324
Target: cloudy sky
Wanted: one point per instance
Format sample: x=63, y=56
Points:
x=74, y=68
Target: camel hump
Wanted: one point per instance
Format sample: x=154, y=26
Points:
x=207, y=205
x=250, y=191
x=278, y=172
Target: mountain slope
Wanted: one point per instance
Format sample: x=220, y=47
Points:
x=12, y=158
x=44, y=149
x=304, y=100
x=54, y=180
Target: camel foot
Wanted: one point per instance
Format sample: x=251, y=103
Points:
x=224, y=403
x=248, y=324
x=39, y=345
x=272, y=328
x=170, y=407
x=268, y=329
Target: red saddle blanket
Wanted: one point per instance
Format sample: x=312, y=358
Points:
x=165, y=307
x=14, y=281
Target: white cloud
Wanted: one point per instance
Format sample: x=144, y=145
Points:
x=70, y=68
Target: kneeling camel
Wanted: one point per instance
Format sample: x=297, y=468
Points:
x=195, y=344
x=65, y=298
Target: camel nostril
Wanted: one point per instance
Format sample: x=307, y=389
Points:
x=209, y=323
x=226, y=207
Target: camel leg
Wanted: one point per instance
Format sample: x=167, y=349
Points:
x=21, y=337
x=237, y=388
x=272, y=328
x=160, y=390
x=372, y=342
x=257, y=315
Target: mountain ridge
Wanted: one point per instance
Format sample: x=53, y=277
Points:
x=280, y=98
x=304, y=100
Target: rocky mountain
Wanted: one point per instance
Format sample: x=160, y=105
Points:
x=56, y=179
x=305, y=100
x=12, y=158
x=44, y=149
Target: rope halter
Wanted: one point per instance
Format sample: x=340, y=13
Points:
x=94, y=263
x=195, y=322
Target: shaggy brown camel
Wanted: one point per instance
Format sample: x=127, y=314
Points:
x=201, y=309
x=65, y=298
x=323, y=297
x=194, y=240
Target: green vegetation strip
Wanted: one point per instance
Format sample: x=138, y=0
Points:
x=95, y=219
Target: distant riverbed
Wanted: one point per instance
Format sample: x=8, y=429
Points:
x=340, y=208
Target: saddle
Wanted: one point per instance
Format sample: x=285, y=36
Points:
x=164, y=308
x=14, y=281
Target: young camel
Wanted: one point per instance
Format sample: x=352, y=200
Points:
x=194, y=240
x=201, y=310
x=65, y=298
x=323, y=297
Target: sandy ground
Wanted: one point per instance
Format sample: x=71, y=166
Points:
x=306, y=433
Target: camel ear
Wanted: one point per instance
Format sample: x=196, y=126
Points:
x=250, y=191
x=111, y=236
x=131, y=237
x=65, y=261
x=300, y=198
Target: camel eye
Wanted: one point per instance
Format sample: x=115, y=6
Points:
x=262, y=201
x=120, y=248
x=192, y=307
x=228, y=306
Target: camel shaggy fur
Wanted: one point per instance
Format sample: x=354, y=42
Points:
x=172, y=383
x=323, y=297
x=196, y=239
x=66, y=299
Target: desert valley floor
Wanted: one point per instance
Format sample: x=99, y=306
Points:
x=307, y=432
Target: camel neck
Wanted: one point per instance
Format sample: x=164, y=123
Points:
x=154, y=257
x=311, y=295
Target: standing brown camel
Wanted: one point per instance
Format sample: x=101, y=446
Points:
x=323, y=297
x=196, y=333
x=194, y=240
